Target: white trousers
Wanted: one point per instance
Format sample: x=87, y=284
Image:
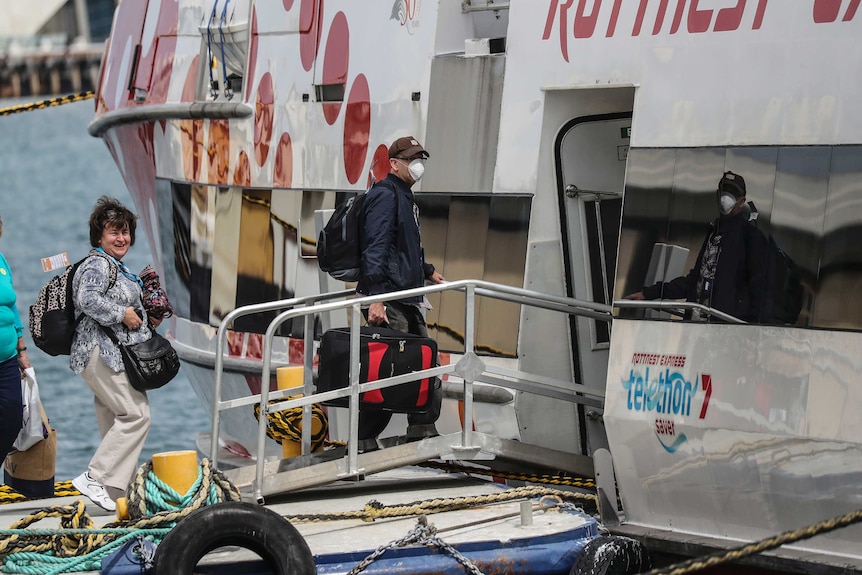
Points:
x=123, y=414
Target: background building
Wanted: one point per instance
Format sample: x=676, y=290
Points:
x=51, y=47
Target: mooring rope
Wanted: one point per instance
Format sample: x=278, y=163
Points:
x=154, y=508
x=49, y=103
x=376, y=510
x=545, y=478
x=150, y=496
x=61, y=489
x=287, y=425
x=737, y=553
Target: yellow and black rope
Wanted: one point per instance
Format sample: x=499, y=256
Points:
x=544, y=478
x=737, y=553
x=376, y=510
x=61, y=489
x=58, y=543
x=49, y=103
x=287, y=425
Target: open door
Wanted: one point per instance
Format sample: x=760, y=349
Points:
x=591, y=155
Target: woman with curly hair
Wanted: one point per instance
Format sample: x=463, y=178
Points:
x=107, y=294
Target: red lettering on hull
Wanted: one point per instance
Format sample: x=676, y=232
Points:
x=586, y=15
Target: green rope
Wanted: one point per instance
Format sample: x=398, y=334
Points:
x=163, y=497
x=107, y=530
x=29, y=563
x=154, y=507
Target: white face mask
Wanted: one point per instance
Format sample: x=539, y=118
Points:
x=726, y=203
x=416, y=169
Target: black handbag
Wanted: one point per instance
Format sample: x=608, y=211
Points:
x=150, y=364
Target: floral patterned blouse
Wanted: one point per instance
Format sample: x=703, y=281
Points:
x=106, y=304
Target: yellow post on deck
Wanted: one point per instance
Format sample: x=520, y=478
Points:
x=287, y=377
x=178, y=469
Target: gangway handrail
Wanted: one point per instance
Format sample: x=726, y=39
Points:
x=676, y=306
x=470, y=287
x=221, y=339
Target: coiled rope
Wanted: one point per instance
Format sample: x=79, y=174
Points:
x=287, y=425
x=61, y=489
x=150, y=496
x=737, y=553
x=154, y=508
x=49, y=103
x=376, y=510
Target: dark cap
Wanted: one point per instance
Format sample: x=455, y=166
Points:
x=733, y=183
x=407, y=148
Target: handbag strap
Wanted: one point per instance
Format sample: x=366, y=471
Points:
x=111, y=335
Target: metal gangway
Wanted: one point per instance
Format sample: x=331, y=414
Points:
x=269, y=477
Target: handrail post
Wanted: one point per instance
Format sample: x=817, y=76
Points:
x=353, y=439
x=469, y=345
x=218, y=368
x=265, y=379
x=307, y=381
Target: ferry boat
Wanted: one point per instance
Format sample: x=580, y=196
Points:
x=575, y=152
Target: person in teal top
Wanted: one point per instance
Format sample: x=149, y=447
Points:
x=13, y=360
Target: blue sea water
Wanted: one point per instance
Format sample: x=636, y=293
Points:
x=51, y=173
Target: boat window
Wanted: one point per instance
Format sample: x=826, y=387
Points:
x=807, y=201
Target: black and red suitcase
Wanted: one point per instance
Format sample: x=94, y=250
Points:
x=383, y=353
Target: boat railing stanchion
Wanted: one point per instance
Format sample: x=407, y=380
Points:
x=216, y=408
x=469, y=344
x=353, y=439
x=264, y=408
x=308, y=380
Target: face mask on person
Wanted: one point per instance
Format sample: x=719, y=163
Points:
x=416, y=169
x=726, y=203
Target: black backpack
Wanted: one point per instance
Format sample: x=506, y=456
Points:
x=52, y=315
x=339, y=245
x=783, y=283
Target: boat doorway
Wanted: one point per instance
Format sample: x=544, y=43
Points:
x=590, y=161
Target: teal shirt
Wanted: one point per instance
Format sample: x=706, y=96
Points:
x=11, y=327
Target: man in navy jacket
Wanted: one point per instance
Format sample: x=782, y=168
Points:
x=729, y=273
x=393, y=260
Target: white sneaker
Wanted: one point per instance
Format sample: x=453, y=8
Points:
x=94, y=491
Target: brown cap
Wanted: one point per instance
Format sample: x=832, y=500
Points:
x=407, y=148
x=733, y=183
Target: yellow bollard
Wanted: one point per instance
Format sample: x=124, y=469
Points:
x=287, y=377
x=122, y=508
x=179, y=469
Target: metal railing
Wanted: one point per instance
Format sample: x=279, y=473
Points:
x=469, y=368
x=221, y=342
x=677, y=308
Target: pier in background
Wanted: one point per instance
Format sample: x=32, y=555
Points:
x=49, y=72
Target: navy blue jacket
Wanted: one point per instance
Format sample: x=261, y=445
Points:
x=392, y=255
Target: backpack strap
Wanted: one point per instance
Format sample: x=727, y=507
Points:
x=112, y=279
x=112, y=267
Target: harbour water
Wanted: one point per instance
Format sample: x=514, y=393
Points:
x=51, y=173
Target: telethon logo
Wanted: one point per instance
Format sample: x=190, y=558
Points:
x=666, y=393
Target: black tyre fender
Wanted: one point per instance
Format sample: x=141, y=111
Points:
x=611, y=555
x=244, y=525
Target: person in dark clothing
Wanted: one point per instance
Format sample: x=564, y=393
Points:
x=393, y=260
x=729, y=274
